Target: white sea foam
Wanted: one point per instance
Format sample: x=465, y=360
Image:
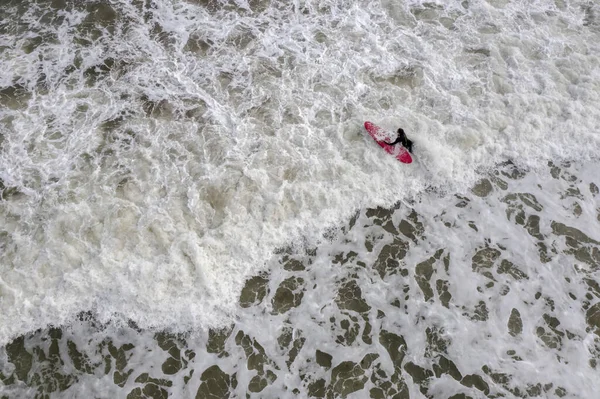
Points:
x=390, y=297
x=236, y=129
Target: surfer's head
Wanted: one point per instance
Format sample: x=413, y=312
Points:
x=401, y=132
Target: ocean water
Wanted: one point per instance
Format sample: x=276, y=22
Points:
x=190, y=206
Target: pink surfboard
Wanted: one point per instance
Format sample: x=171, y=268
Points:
x=380, y=135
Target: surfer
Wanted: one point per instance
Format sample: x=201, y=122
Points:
x=402, y=139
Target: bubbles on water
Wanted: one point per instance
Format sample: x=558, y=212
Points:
x=485, y=294
x=164, y=144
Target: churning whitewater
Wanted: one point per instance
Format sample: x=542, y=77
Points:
x=155, y=155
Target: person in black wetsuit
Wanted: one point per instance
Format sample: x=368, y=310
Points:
x=402, y=139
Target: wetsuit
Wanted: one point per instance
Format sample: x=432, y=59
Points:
x=402, y=139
